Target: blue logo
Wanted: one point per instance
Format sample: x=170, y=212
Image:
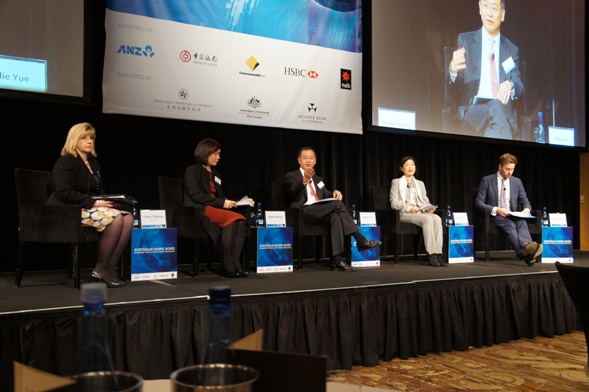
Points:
x=141, y=51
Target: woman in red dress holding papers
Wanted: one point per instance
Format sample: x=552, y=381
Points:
x=76, y=179
x=202, y=188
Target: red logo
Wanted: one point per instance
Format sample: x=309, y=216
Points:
x=185, y=56
x=312, y=74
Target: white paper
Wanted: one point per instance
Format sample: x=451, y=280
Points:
x=460, y=219
x=518, y=214
x=367, y=219
x=275, y=219
x=153, y=219
x=244, y=201
x=508, y=65
x=311, y=201
x=558, y=220
x=427, y=207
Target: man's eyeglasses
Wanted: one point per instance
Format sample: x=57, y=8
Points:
x=488, y=7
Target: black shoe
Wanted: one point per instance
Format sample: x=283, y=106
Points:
x=367, y=244
x=231, y=274
x=433, y=260
x=243, y=273
x=109, y=283
x=441, y=260
x=341, y=265
x=531, y=258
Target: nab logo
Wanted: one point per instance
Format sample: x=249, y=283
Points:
x=252, y=63
x=137, y=50
x=346, y=79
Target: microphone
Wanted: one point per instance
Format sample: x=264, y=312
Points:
x=493, y=56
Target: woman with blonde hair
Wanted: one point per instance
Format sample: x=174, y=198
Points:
x=76, y=179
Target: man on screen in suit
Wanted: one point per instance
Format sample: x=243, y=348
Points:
x=486, y=64
x=501, y=193
x=303, y=188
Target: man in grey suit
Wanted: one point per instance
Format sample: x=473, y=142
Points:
x=486, y=66
x=501, y=193
x=304, y=189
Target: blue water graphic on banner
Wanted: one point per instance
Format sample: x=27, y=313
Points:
x=274, y=247
x=461, y=244
x=331, y=24
x=557, y=242
x=153, y=250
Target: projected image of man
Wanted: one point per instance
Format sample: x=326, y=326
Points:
x=485, y=77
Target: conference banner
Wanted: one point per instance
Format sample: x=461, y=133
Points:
x=280, y=63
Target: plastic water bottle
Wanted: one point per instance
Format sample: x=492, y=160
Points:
x=544, y=218
x=354, y=214
x=539, y=132
x=219, y=347
x=135, y=213
x=259, y=216
x=449, y=219
x=93, y=354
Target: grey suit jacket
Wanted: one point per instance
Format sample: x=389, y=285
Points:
x=488, y=194
x=397, y=200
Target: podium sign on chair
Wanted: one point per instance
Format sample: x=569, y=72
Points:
x=369, y=257
x=154, y=249
x=274, y=249
x=558, y=244
x=460, y=244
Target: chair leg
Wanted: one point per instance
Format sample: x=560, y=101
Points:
x=19, y=262
x=318, y=247
x=75, y=266
x=398, y=241
x=300, y=258
x=486, y=246
x=416, y=246
x=196, y=258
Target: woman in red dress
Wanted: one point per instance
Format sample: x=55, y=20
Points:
x=202, y=188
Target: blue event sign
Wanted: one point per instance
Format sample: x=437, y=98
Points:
x=274, y=249
x=153, y=253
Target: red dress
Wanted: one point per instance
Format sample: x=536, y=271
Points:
x=220, y=216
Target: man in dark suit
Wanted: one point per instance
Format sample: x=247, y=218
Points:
x=304, y=189
x=486, y=65
x=501, y=193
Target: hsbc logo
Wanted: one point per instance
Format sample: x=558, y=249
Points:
x=301, y=72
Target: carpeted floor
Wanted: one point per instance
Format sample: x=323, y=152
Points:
x=541, y=364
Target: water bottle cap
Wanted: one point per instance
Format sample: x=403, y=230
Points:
x=539, y=114
x=219, y=293
x=92, y=293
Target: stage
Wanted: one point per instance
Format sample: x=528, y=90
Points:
x=357, y=318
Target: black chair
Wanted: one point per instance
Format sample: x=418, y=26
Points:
x=452, y=125
x=390, y=222
x=294, y=219
x=171, y=192
x=183, y=218
x=485, y=227
x=39, y=222
x=575, y=279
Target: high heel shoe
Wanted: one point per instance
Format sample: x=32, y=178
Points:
x=243, y=273
x=109, y=283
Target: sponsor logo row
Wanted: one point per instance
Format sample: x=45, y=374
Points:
x=251, y=64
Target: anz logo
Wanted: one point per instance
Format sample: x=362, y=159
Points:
x=146, y=51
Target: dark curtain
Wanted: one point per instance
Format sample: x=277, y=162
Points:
x=349, y=327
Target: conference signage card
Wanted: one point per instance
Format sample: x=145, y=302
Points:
x=558, y=244
x=295, y=65
x=460, y=244
x=369, y=257
x=154, y=254
x=274, y=249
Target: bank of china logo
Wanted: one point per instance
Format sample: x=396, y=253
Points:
x=254, y=102
x=252, y=63
x=140, y=51
x=185, y=56
x=312, y=107
x=183, y=94
x=345, y=79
